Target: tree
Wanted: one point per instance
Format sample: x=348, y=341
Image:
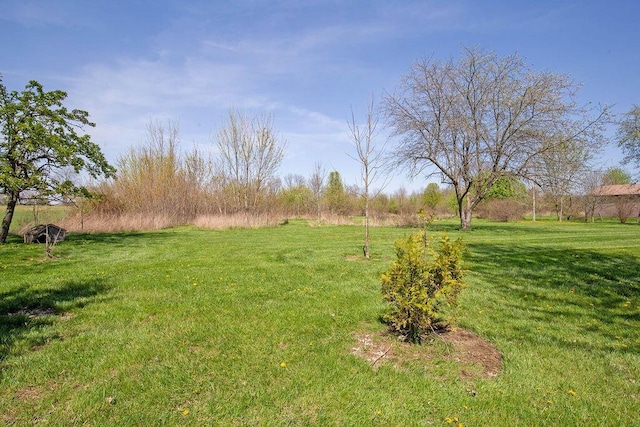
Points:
x=432, y=196
x=370, y=158
x=317, y=184
x=628, y=136
x=616, y=176
x=335, y=194
x=40, y=138
x=295, y=196
x=561, y=168
x=591, y=181
x=478, y=119
x=249, y=155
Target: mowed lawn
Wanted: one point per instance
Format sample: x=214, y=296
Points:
x=255, y=327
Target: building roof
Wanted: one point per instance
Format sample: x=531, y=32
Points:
x=618, y=190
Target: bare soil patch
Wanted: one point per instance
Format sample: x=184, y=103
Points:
x=475, y=356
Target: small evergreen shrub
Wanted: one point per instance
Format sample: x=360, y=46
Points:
x=419, y=283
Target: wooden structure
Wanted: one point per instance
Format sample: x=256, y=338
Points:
x=45, y=233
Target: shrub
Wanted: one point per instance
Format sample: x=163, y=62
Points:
x=419, y=283
x=502, y=210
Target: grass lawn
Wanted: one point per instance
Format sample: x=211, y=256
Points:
x=255, y=327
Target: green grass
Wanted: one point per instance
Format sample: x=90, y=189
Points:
x=254, y=327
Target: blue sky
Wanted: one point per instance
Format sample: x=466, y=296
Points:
x=305, y=62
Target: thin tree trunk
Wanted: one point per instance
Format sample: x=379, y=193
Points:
x=534, y=204
x=366, y=227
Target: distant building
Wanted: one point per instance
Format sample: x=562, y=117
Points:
x=621, y=190
x=618, y=200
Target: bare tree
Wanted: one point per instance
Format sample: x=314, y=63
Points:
x=560, y=169
x=250, y=153
x=369, y=155
x=317, y=185
x=481, y=118
x=591, y=181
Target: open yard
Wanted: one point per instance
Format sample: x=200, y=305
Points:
x=280, y=326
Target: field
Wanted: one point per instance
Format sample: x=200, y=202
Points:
x=188, y=326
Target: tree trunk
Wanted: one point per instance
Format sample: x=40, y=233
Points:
x=8, y=217
x=465, y=214
x=533, y=190
x=366, y=228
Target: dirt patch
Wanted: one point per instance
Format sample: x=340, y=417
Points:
x=475, y=356
x=472, y=349
x=29, y=393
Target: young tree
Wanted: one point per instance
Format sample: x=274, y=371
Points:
x=480, y=118
x=370, y=157
x=628, y=136
x=249, y=155
x=40, y=137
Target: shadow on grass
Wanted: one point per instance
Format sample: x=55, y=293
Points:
x=26, y=311
x=122, y=239
x=593, y=292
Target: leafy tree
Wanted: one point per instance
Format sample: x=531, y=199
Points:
x=40, y=138
x=616, y=176
x=432, y=196
x=628, y=136
x=507, y=187
x=335, y=193
x=477, y=119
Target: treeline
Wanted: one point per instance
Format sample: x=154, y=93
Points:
x=160, y=184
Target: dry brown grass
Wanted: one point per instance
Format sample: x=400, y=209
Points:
x=217, y=222
x=100, y=223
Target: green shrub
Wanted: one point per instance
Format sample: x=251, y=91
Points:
x=419, y=283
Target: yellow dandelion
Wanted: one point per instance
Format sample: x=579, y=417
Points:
x=448, y=420
x=572, y=393
x=185, y=412
x=283, y=365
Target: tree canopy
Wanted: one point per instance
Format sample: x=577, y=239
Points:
x=616, y=176
x=40, y=138
x=480, y=118
x=628, y=136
